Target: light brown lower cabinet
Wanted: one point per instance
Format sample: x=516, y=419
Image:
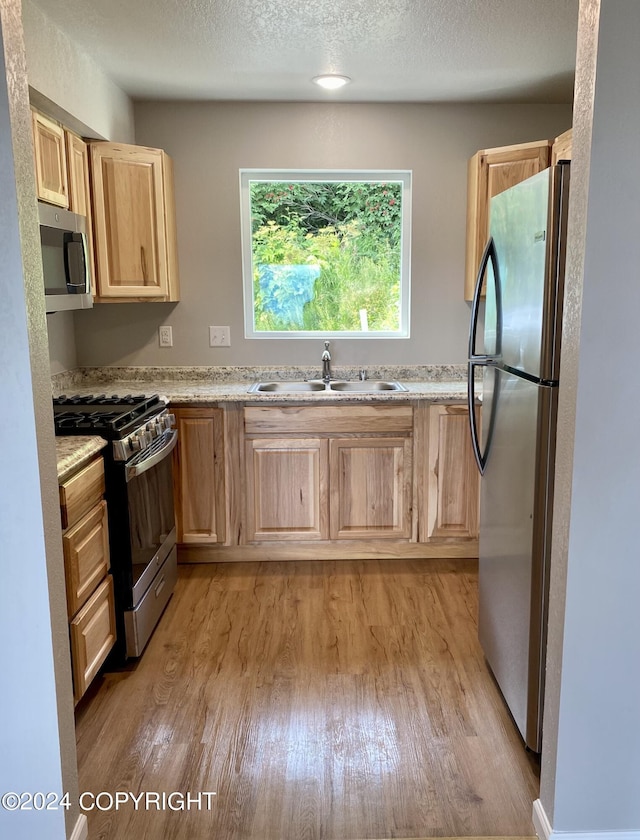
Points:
x=370, y=480
x=328, y=472
x=452, y=491
x=199, y=481
x=89, y=586
x=287, y=489
x=93, y=634
x=347, y=476
x=86, y=556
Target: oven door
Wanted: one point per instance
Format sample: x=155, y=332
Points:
x=151, y=514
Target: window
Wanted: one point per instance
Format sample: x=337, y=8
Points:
x=325, y=253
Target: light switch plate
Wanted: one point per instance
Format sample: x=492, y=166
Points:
x=219, y=337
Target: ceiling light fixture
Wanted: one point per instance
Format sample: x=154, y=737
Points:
x=331, y=81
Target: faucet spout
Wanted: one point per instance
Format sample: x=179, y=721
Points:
x=326, y=363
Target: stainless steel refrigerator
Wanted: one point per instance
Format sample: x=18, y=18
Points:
x=523, y=272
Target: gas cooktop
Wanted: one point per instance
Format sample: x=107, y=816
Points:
x=111, y=414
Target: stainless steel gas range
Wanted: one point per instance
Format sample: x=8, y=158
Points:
x=139, y=491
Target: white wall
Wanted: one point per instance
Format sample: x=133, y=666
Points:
x=591, y=757
x=37, y=740
x=209, y=142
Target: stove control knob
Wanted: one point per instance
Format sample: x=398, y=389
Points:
x=134, y=442
x=169, y=420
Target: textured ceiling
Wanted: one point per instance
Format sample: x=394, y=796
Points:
x=394, y=50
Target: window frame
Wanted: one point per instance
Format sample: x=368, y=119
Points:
x=402, y=176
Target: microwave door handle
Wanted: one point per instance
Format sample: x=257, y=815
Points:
x=74, y=259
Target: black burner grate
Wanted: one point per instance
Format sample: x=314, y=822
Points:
x=84, y=413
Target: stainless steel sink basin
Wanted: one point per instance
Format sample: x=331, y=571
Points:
x=285, y=387
x=367, y=385
x=358, y=386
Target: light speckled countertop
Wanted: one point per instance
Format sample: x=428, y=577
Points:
x=202, y=386
x=74, y=451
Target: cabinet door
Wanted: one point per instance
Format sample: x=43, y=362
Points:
x=490, y=172
x=79, y=193
x=50, y=161
x=370, y=481
x=286, y=489
x=453, y=478
x=130, y=222
x=93, y=634
x=199, y=485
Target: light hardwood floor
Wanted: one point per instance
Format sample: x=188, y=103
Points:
x=320, y=701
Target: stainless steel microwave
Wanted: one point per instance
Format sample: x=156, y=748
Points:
x=65, y=260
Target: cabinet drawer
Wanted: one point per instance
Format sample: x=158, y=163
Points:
x=80, y=493
x=93, y=633
x=330, y=419
x=86, y=556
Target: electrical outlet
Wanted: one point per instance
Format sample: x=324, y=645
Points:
x=219, y=337
x=165, y=334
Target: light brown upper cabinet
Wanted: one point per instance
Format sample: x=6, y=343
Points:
x=79, y=192
x=50, y=161
x=491, y=171
x=134, y=223
x=562, y=145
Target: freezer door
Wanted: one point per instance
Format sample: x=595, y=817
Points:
x=515, y=512
x=519, y=222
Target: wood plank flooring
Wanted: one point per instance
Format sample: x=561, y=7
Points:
x=335, y=700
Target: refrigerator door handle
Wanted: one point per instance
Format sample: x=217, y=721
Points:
x=489, y=255
x=473, y=423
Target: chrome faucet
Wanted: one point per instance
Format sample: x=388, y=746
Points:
x=326, y=363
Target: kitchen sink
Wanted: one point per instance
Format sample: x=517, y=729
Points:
x=295, y=386
x=285, y=387
x=367, y=385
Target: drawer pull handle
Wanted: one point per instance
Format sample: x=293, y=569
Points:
x=160, y=587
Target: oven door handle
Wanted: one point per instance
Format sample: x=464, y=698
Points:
x=137, y=469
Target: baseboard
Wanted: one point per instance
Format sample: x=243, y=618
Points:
x=545, y=831
x=541, y=821
x=80, y=829
x=336, y=550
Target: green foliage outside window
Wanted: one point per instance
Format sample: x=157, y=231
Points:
x=326, y=255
